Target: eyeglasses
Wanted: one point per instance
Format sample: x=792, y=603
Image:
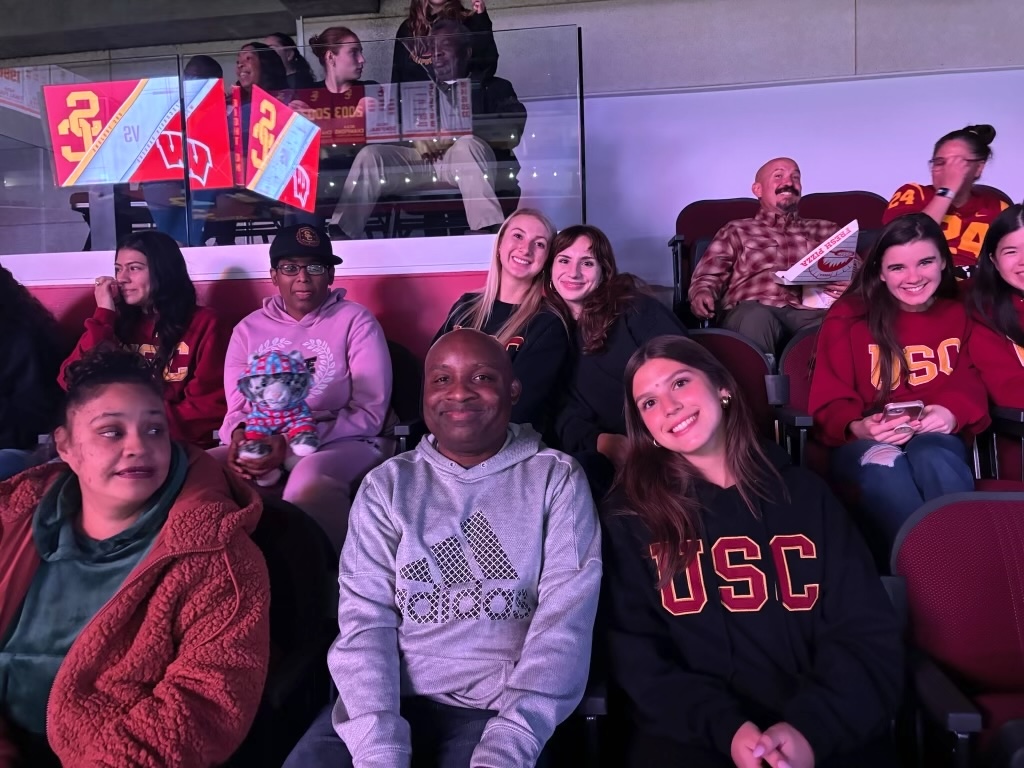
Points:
x=291, y=270
x=940, y=162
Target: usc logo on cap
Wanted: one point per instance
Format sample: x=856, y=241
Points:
x=308, y=237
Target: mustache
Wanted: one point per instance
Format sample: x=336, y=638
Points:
x=787, y=188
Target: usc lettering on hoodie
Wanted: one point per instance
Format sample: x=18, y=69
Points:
x=845, y=382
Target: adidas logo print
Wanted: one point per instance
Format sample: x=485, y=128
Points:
x=463, y=595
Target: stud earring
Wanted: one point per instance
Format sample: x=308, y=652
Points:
x=726, y=401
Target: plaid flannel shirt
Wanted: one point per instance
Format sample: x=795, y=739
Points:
x=746, y=253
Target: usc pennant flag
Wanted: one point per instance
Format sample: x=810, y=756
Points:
x=283, y=159
x=130, y=131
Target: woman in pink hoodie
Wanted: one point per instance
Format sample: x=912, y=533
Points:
x=344, y=347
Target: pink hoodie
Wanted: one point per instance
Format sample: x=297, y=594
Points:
x=343, y=344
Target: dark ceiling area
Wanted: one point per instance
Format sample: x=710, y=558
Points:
x=45, y=27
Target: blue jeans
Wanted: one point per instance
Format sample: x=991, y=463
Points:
x=13, y=461
x=929, y=466
x=442, y=736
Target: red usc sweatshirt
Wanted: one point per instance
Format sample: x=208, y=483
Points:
x=193, y=379
x=1000, y=362
x=845, y=382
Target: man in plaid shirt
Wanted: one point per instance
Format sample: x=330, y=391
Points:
x=738, y=267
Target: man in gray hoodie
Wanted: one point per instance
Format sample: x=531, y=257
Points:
x=469, y=584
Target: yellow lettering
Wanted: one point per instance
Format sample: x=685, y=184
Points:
x=920, y=362
x=263, y=133
x=973, y=237
x=922, y=370
x=80, y=123
x=945, y=355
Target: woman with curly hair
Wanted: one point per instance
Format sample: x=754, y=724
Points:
x=30, y=355
x=414, y=50
x=149, y=305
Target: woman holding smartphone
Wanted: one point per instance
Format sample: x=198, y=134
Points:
x=891, y=392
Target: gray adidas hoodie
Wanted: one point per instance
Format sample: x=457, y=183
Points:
x=440, y=579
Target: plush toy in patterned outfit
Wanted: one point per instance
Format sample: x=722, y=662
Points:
x=275, y=384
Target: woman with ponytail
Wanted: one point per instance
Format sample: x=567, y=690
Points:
x=414, y=50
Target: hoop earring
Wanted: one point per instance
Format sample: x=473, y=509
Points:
x=655, y=443
x=726, y=401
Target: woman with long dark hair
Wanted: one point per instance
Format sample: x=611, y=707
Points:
x=150, y=306
x=414, y=48
x=896, y=337
x=952, y=199
x=614, y=315
x=746, y=619
x=997, y=304
x=297, y=70
x=512, y=308
x=30, y=353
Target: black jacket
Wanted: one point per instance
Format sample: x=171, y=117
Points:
x=416, y=65
x=538, y=355
x=808, y=637
x=29, y=395
x=595, y=402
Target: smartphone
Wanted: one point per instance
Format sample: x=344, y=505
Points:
x=913, y=409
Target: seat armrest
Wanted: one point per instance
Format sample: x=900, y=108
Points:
x=943, y=702
x=676, y=240
x=408, y=433
x=1008, y=421
x=794, y=417
x=777, y=387
x=595, y=700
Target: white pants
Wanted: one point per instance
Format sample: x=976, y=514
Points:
x=382, y=169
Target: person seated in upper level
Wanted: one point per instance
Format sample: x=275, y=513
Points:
x=952, y=200
x=345, y=350
x=614, y=315
x=30, y=355
x=899, y=336
x=299, y=73
x=512, y=307
x=134, y=607
x=414, y=50
x=469, y=586
x=996, y=299
x=149, y=305
x=476, y=163
x=736, y=274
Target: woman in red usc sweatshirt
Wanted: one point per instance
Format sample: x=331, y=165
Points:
x=149, y=305
x=745, y=616
x=898, y=335
x=997, y=303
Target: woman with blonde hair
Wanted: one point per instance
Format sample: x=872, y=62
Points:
x=512, y=308
x=414, y=50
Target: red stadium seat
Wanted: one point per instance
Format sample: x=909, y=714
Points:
x=963, y=564
x=843, y=207
x=749, y=367
x=795, y=364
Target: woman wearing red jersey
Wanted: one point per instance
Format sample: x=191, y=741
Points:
x=150, y=306
x=896, y=336
x=951, y=199
x=997, y=300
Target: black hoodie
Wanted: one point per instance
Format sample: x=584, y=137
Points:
x=781, y=618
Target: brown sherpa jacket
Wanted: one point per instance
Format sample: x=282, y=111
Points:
x=170, y=671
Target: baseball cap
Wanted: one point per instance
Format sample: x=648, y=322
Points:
x=302, y=240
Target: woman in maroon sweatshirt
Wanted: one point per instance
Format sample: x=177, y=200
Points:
x=149, y=305
x=898, y=336
x=997, y=302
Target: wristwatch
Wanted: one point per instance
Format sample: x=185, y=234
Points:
x=944, y=192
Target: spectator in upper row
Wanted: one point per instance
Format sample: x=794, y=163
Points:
x=30, y=356
x=512, y=308
x=345, y=349
x=951, y=200
x=899, y=335
x=414, y=51
x=997, y=301
x=299, y=73
x=469, y=584
x=737, y=272
x=614, y=316
x=150, y=306
x=474, y=163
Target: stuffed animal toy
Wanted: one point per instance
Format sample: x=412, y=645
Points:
x=275, y=384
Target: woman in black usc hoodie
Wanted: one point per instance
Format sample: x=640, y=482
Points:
x=746, y=620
